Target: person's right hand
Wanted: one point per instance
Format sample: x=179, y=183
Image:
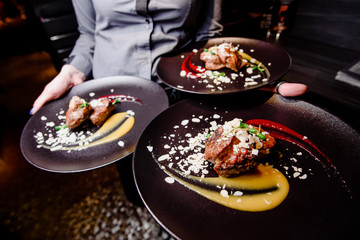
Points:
x=68, y=77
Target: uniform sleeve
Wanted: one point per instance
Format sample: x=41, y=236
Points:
x=209, y=19
x=81, y=56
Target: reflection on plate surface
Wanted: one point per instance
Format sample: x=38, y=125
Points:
x=319, y=202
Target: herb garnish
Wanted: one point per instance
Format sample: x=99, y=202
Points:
x=116, y=101
x=61, y=127
x=84, y=104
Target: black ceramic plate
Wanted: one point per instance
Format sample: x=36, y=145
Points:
x=318, y=206
x=150, y=101
x=273, y=57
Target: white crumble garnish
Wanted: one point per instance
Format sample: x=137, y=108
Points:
x=112, y=90
x=299, y=153
x=50, y=124
x=169, y=180
x=224, y=193
x=238, y=193
x=195, y=120
x=296, y=174
x=121, y=143
x=43, y=118
x=150, y=148
x=184, y=122
x=164, y=157
x=91, y=94
x=183, y=73
x=303, y=176
x=130, y=112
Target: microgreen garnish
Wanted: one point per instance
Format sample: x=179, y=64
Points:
x=84, y=104
x=116, y=101
x=217, y=74
x=60, y=127
x=258, y=133
x=259, y=68
x=242, y=125
x=207, y=50
x=208, y=133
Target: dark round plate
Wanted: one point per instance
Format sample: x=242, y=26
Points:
x=320, y=204
x=151, y=101
x=273, y=57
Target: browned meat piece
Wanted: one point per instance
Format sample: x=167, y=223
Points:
x=231, y=155
x=102, y=110
x=224, y=55
x=212, y=61
x=79, y=110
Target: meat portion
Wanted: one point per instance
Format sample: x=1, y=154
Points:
x=234, y=150
x=79, y=110
x=224, y=55
x=102, y=109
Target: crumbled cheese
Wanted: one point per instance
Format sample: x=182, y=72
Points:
x=121, y=143
x=224, y=193
x=169, y=180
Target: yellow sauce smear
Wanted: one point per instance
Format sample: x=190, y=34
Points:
x=109, y=131
x=109, y=125
x=257, y=63
x=263, y=178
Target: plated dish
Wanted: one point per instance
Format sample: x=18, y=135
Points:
x=261, y=63
x=319, y=202
x=47, y=143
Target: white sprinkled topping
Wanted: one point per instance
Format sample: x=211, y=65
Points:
x=238, y=193
x=150, y=148
x=164, y=157
x=249, y=70
x=91, y=94
x=224, y=193
x=196, y=120
x=121, y=143
x=184, y=122
x=183, y=73
x=169, y=180
x=130, y=112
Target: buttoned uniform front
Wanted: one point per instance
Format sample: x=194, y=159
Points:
x=126, y=37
